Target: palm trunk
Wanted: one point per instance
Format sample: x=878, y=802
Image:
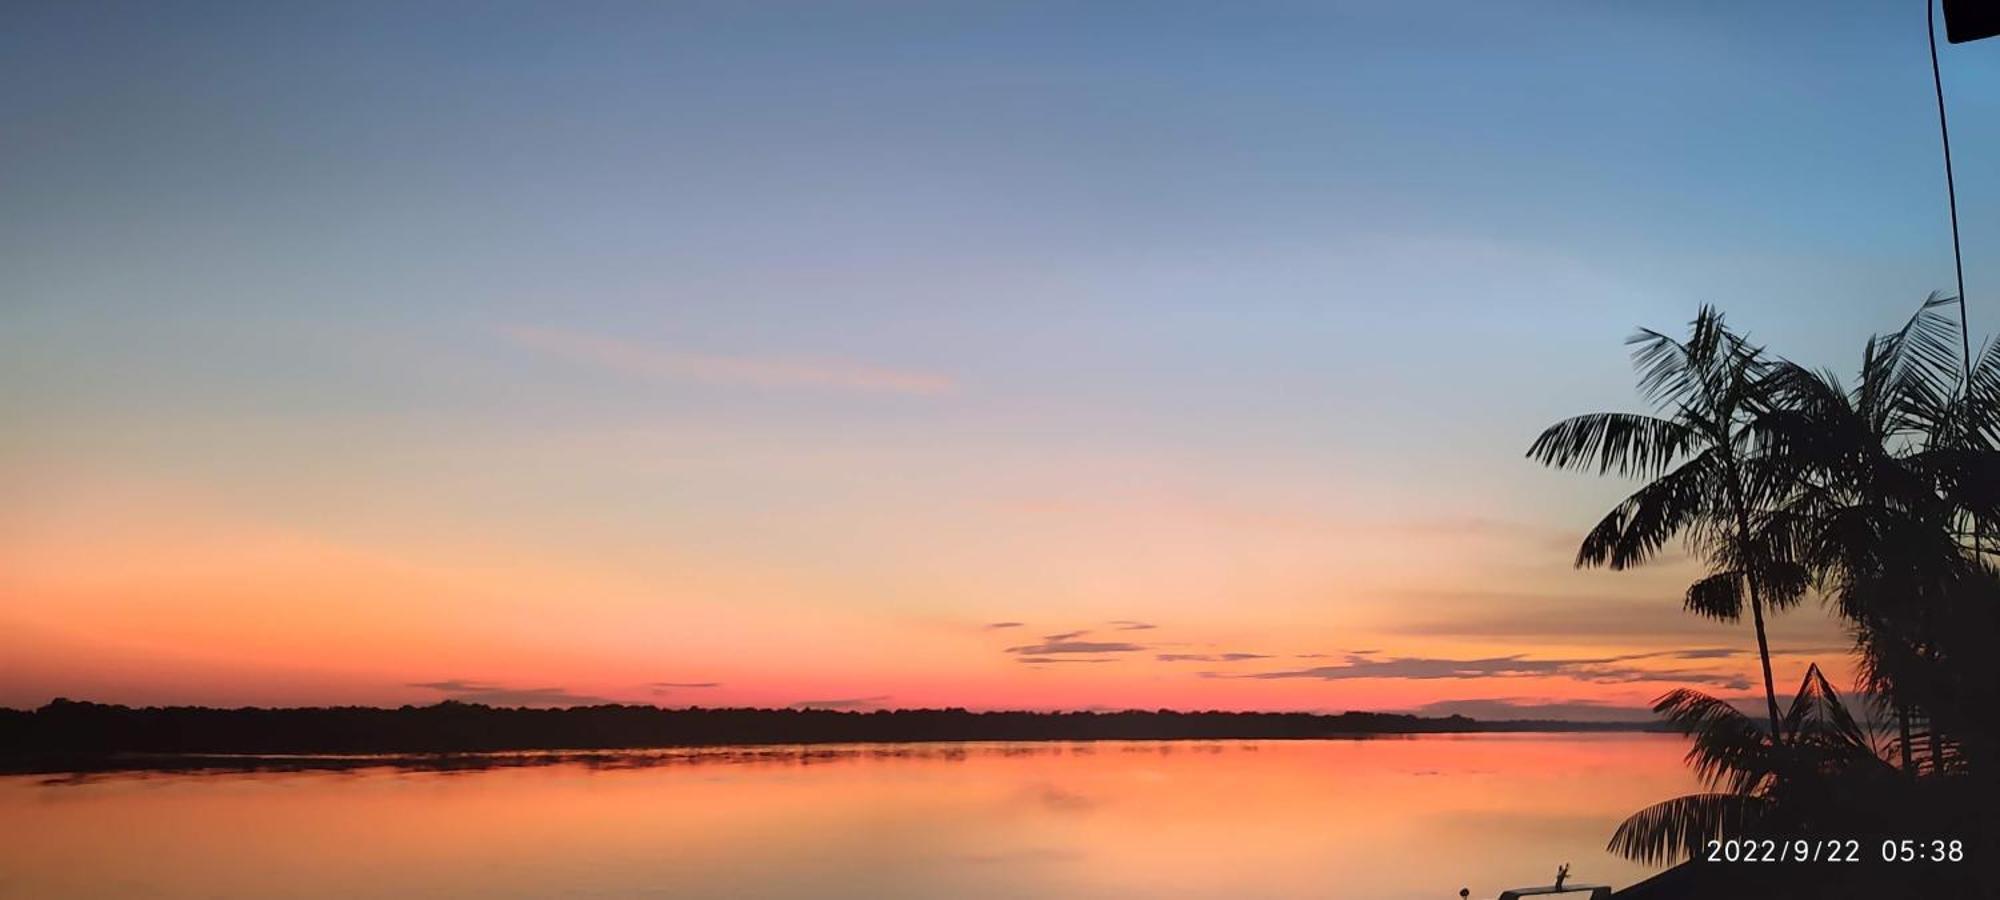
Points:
x=1930, y=708
x=1749, y=561
x=1764, y=656
x=1903, y=738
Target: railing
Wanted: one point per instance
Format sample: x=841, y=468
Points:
x=1596, y=891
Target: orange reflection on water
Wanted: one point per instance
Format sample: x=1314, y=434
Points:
x=1387, y=818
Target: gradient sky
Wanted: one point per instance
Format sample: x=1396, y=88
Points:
x=999, y=355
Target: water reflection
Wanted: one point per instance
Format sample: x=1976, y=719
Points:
x=1405, y=817
x=140, y=765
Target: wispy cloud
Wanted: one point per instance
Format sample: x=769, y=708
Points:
x=647, y=361
x=1609, y=619
x=1072, y=646
x=1608, y=669
x=841, y=703
x=995, y=626
x=497, y=695
x=1707, y=653
x=1050, y=648
x=1209, y=657
x=1500, y=708
x=660, y=688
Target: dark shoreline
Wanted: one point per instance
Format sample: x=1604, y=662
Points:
x=67, y=736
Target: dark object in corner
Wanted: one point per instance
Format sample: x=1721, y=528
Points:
x=1970, y=20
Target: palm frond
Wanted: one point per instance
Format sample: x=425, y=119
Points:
x=1922, y=356
x=1635, y=530
x=1817, y=717
x=1718, y=596
x=1628, y=444
x=1664, y=366
x=1727, y=748
x=1680, y=829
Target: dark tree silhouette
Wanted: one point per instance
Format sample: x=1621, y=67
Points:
x=1817, y=768
x=71, y=736
x=1883, y=497
x=1892, y=488
x=1700, y=455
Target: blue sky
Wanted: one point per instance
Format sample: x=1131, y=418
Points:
x=781, y=285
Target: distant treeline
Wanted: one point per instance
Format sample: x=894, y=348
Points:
x=68, y=728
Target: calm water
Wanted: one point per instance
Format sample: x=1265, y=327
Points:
x=1379, y=818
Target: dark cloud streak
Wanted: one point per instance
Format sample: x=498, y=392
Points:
x=840, y=703
x=1608, y=669
x=1053, y=647
x=1502, y=708
x=498, y=695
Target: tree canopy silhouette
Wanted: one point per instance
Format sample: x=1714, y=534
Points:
x=1700, y=456
x=66, y=735
x=1882, y=497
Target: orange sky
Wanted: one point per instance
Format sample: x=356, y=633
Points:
x=138, y=591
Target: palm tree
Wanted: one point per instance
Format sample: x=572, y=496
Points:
x=1706, y=484
x=1818, y=775
x=1886, y=497
x=1889, y=494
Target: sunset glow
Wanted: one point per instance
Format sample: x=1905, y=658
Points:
x=722, y=354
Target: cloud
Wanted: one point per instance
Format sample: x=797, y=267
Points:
x=1053, y=647
x=628, y=358
x=1526, y=616
x=1500, y=708
x=1608, y=669
x=1064, y=636
x=1057, y=659
x=453, y=687
x=1130, y=625
x=995, y=626
x=496, y=695
x=1656, y=618
x=840, y=703
x=667, y=687
x=1707, y=653
x=1209, y=657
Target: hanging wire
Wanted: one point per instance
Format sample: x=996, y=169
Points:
x=1950, y=191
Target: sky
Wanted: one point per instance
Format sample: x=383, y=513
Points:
x=858, y=355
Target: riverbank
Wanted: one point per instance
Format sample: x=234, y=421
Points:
x=86, y=735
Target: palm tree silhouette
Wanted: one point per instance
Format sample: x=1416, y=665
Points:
x=1892, y=489
x=1707, y=485
x=1818, y=775
x=1885, y=497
